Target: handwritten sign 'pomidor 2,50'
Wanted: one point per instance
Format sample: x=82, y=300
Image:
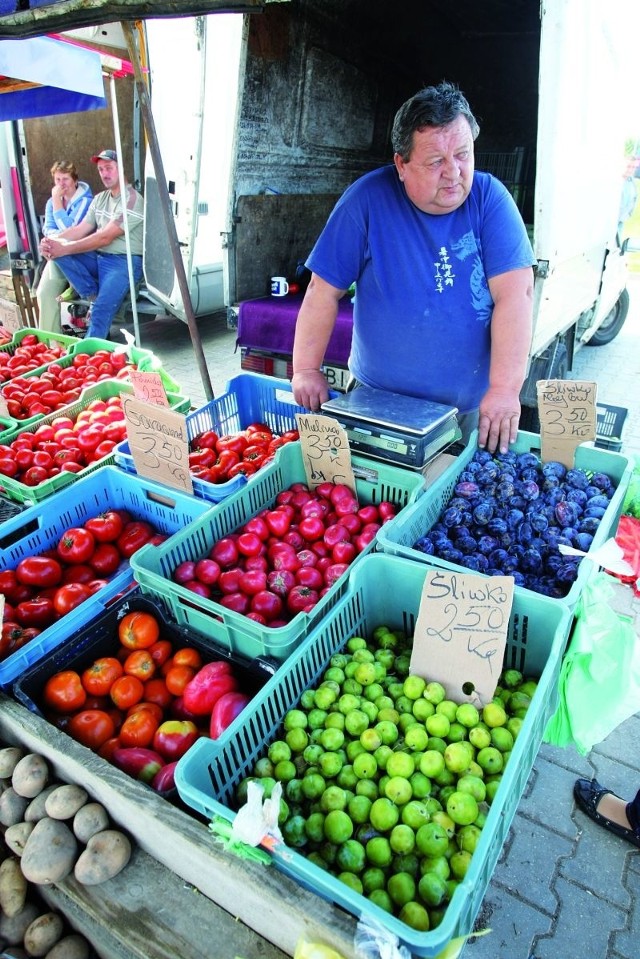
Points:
x=158, y=442
x=461, y=632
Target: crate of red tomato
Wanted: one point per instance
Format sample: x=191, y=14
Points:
x=235, y=435
x=30, y=349
x=139, y=690
x=38, y=460
x=262, y=568
x=46, y=389
x=63, y=560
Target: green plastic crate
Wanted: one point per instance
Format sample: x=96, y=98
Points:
x=145, y=360
x=153, y=565
x=13, y=489
x=399, y=534
x=386, y=590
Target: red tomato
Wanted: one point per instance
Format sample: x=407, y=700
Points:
x=139, y=728
x=138, y=630
x=225, y=552
x=91, y=727
x=76, y=545
x=301, y=598
x=64, y=691
x=105, y=559
x=160, y=651
x=127, y=691
x=42, y=571
x=267, y=604
x=106, y=527
x=70, y=596
x=140, y=663
x=38, y=611
x=134, y=535
x=98, y=678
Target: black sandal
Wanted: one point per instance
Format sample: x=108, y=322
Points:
x=588, y=793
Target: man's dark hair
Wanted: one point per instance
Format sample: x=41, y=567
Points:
x=431, y=107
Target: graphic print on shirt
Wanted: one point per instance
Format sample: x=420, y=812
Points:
x=444, y=275
x=480, y=296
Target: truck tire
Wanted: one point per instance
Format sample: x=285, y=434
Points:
x=558, y=369
x=613, y=323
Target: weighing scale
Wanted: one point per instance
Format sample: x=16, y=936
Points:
x=393, y=427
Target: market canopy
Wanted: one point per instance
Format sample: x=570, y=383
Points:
x=30, y=18
x=43, y=76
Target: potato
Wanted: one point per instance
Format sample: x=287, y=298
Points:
x=43, y=933
x=107, y=853
x=89, y=820
x=13, y=887
x=30, y=775
x=65, y=801
x=13, y=928
x=50, y=852
x=9, y=757
x=16, y=836
x=12, y=807
x=71, y=947
x=35, y=810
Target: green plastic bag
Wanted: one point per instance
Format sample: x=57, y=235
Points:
x=631, y=505
x=599, y=682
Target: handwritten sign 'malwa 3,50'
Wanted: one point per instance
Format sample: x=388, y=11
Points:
x=325, y=450
x=461, y=632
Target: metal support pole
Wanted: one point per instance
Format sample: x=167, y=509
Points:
x=123, y=195
x=165, y=202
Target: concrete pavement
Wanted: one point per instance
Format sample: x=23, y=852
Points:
x=563, y=888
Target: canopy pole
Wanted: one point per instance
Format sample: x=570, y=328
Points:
x=165, y=203
x=125, y=215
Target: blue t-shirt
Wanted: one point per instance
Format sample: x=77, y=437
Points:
x=422, y=309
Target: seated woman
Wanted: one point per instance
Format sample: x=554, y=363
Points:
x=67, y=206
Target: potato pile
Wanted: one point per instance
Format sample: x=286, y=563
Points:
x=51, y=831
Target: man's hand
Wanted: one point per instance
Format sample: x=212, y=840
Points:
x=310, y=389
x=498, y=420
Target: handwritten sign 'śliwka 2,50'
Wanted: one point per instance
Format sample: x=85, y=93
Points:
x=567, y=410
x=325, y=450
x=159, y=442
x=461, y=633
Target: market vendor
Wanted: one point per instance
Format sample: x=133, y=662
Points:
x=443, y=271
x=5, y=336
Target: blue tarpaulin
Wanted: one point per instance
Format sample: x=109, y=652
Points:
x=47, y=77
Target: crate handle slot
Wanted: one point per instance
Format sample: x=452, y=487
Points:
x=163, y=500
x=11, y=538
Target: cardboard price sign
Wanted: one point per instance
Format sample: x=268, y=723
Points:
x=149, y=387
x=567, y=410
x=325, y=450
x=158, y=442
x=461, y=633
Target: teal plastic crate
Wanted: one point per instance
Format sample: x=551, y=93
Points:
x=247, y=398
x=153, y=565
x=40, y=527
x=399, y=534
x=14, y=489
x=386, y=590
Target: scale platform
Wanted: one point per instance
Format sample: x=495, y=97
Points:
x=394, y=427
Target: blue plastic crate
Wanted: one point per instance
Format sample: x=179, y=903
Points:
x=40, y=527
x=153, y=566
x=399, y=534
x=386, y=590
x=247, y=398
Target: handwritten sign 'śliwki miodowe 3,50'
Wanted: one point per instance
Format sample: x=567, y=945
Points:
x=567, y=410
x=159, y=443
x=325, y=450
x=461, y=633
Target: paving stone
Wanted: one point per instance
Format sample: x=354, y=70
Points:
x=625, y=942
x=550, y=800
x=566, y=756
x=513, y=924
x=622, y=746
x=598, y=862
x=583, y=927
x=529, y=866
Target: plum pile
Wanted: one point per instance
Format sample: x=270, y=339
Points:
x=509, y=513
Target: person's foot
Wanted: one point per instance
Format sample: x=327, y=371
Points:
x=605, y=808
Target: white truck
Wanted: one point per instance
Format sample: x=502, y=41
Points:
x=263, y=123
